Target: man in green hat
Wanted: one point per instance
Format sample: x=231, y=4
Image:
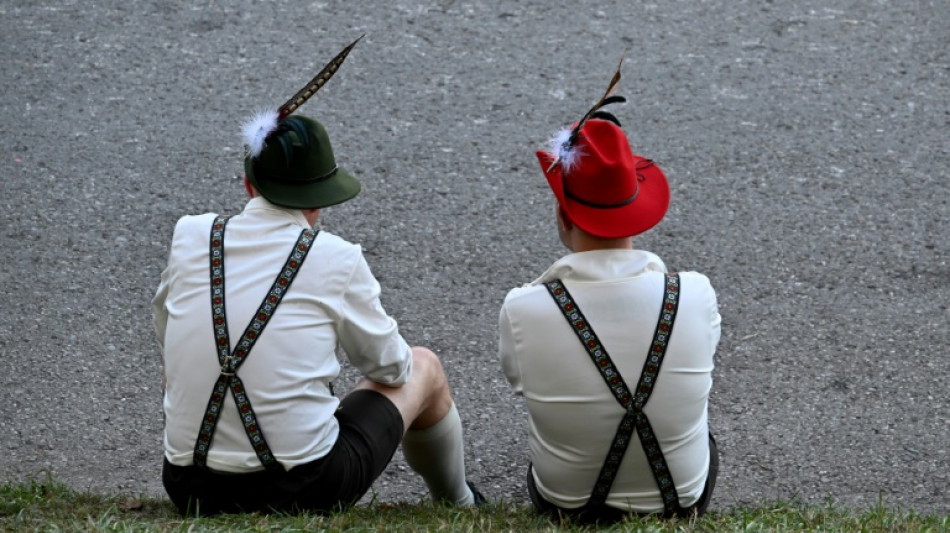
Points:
x=251, y=312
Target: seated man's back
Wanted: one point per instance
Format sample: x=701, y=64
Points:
x=614, y=356
x=573, y=415
x=294, y=363
x=251, y=313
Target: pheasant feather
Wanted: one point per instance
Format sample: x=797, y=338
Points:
x=316, y=83
x=611, y=89
x=257, y=130
x=564, y=151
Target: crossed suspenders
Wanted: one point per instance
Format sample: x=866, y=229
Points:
x=231, y=360
x=632, y=402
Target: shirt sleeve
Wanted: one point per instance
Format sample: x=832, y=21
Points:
x=159, y=313
x=506, y=352
x=715, y=319
x=368, y=335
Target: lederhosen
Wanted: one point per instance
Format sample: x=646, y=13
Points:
x=632, y=402
x=231, y=360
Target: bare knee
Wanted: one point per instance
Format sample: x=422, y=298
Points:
x=426, y=364
x=437, y=399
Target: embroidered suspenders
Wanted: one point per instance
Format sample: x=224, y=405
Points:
x=632, y=402
x=231, y=360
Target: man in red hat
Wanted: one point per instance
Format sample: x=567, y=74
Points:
x=612, y=353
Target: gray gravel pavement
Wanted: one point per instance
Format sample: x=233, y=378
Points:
x=807, y=144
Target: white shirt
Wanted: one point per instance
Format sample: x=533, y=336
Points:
x=332, y=303
x=573, y=417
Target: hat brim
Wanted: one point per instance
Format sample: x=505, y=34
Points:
x=646, y=211
x=334, y=190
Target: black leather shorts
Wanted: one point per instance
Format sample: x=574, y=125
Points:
x=371, y=429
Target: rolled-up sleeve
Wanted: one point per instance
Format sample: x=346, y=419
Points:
x=368, y=335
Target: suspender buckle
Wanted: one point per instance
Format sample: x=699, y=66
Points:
x=227, y=368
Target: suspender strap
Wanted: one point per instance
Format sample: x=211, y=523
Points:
x=231, y=360
x=648, y=377
x=633, y=403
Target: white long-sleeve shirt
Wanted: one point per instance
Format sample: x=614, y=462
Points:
x=573, y=416
x=332, y=303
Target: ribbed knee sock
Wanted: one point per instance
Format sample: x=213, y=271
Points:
x=437, y=453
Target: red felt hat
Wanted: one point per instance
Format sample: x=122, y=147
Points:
x=606, y=189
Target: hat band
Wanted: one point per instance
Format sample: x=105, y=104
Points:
x=643, y=164
x=595, y=205
x=286, y=181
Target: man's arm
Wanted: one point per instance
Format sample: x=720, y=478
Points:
x=506, y=351
x=160, y=318
x=369, y=336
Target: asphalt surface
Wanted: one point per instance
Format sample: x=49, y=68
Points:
x=807, y=145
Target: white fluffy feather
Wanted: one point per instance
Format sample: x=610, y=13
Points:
x=257, y=129
x=561, y=150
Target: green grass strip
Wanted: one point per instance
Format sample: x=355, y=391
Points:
x=48, y=506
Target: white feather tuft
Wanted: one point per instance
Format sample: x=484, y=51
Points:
x=562, y=150
x=257, y=129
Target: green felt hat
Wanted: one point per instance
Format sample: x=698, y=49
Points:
x=295, y=167
x=289, y=159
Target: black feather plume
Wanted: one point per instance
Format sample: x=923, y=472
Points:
x=282, y=135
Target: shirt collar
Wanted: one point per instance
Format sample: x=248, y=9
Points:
x=600, y=265
x=259, y=203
